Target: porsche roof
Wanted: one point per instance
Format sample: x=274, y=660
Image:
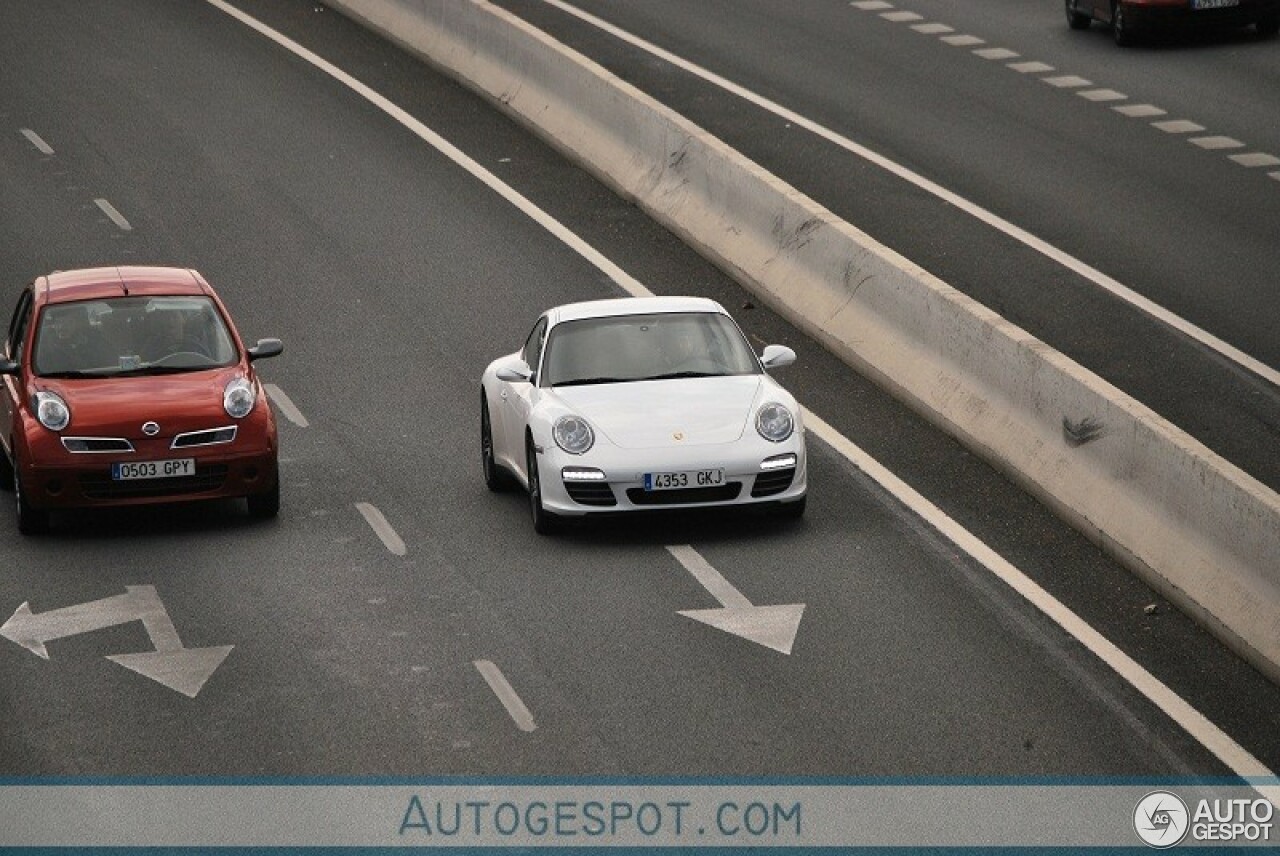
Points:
x=631, y=306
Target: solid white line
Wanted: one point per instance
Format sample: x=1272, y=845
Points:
x=382, y=528
x=37, y=141
x=286, y=405
x=1232, y=754
x=1214, y=739
x=115, y=216
x=1017, y=233
x=623, y=279
x=709, y=578
x=502, y=689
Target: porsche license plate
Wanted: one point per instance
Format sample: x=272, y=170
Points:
x=154, y=469
x=682, y=480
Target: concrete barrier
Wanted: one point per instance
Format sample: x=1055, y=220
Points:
x=1193, y=526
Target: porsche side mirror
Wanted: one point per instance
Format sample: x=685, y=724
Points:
x=8, y=367
x=514, y=375
x=265, y=348
x=777, y=356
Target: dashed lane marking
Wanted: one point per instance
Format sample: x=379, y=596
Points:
x=385, y=532
x=113, y=215
x=506, y=694
x=285, y=405
x=37, y=141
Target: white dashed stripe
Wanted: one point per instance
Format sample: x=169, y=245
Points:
x=36, y=140
x=871, y=5
x=1100, y=95
x=1178, y=126
x=1067, y=81
x=1140, y=111
x=901, y=17
x=506, y=694
x=996, y=53
x=285, y=405
x=963, y=41
x=114, y=215
x=382, y=528
x=1030, y=67
x=933, y=29
x=1214, y=144
x=1256, y=159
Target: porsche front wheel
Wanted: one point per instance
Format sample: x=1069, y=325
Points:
x=544, y=522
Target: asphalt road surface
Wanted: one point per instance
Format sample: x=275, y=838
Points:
x=397, y=619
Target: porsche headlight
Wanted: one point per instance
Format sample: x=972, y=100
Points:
x=52, y=411
x=238, y=398
x=774, y=422
x=573, y=434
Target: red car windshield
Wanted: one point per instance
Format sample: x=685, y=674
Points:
x=131, y=335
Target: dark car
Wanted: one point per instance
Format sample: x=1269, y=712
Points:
x=1132, y=18
x=131, y=385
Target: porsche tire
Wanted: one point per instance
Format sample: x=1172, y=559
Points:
x=496, y=478
x=544, y=522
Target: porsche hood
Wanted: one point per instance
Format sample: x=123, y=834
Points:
x=652, y=414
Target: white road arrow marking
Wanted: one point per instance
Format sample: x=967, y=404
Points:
x=182, y=669
x=771, y=626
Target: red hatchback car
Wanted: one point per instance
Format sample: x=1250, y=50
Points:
x=129, y=385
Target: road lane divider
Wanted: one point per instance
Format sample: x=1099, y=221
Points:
x=37, y=141
x=385, y=532
x=113, y=215
x=1199, y=530
x=497, y=682
x=285, y=405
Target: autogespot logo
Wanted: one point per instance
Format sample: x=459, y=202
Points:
x=1161, y=819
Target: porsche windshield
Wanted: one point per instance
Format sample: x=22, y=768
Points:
x=625, y=348
x=131, y=335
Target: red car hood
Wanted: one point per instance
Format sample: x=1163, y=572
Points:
x=119, y=406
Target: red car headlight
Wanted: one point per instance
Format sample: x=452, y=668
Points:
x=51, y=410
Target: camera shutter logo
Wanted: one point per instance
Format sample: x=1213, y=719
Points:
x=1161, y=819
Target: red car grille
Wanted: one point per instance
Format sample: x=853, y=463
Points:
x=102, y=486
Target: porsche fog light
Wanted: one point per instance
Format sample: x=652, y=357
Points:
x=238, y=398
x=52, y=411
x=774, y=422
x=573, y=434
x=580, y=474
x=778, y=462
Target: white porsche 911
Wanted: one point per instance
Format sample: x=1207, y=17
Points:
x=641, y=404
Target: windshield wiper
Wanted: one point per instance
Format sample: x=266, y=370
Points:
x=675, y=375
x=583, y=381
x=71, y=373
x=159, y=370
